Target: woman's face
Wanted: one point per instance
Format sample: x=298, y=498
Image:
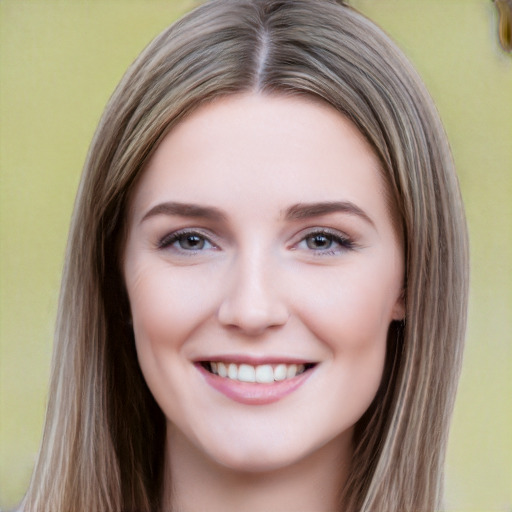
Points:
x=263, y=270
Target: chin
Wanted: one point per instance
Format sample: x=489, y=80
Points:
x=256, y=462
x=260, y=456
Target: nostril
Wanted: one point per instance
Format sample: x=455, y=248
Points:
x=252, y=320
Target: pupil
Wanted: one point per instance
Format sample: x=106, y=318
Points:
x=319, y=242
x=192, y=242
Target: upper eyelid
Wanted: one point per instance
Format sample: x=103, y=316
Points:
x=344, y=242
x=186, y=231
x=215, y=240
x=318, y=230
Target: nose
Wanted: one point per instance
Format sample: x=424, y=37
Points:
x=254, y=300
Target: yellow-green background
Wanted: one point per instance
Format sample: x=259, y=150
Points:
x=59, y=62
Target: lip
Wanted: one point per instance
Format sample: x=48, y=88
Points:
x=250, y=393
x=254, y=359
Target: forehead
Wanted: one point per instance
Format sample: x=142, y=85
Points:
x=252, y=146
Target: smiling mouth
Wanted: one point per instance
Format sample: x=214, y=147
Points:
x=262, y=374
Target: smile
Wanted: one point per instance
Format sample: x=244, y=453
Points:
x=262, y=374
x=258, y=384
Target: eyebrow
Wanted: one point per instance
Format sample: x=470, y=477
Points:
x=185, y=210
x=298, y=211
x=308, y=210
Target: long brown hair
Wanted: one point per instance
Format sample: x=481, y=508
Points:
x=103, y=442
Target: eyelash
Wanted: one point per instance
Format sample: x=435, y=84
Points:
x=180, y=236
x=342, y=242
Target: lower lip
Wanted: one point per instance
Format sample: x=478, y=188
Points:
x=251, y=393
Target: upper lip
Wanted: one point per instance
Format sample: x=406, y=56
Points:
x=254, y=360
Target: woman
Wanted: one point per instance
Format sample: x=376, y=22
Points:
x=266, y=278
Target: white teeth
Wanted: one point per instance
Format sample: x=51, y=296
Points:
x=291, y=371
x=264, y=374
x=280, y=372
x=232, y=371
x=221, y=368
x=246, y=373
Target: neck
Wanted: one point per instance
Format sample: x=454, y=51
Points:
x=194, y=481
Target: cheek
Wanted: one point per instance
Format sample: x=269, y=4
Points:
x=356, y=336
x=152, y=308
x=166, y=306
x=349, y=312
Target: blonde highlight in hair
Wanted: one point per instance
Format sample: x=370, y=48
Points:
x=104, y=437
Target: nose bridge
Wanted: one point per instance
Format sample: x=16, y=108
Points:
x=254, y=299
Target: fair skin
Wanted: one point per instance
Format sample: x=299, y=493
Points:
x=260, y=243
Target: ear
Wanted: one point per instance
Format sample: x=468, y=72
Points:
x=398, y=312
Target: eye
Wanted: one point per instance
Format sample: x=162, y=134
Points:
x=325, y=242
x=319, y=241
x=186, y=241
